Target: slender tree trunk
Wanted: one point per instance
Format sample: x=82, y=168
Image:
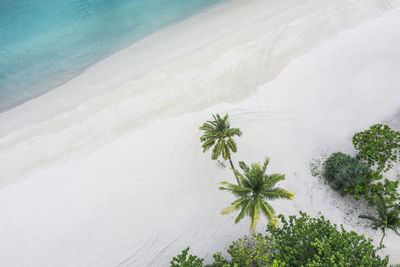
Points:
x=233, y=168
x=230, y=161
x=380, y=244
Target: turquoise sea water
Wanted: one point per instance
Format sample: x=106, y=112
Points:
x=43, y=43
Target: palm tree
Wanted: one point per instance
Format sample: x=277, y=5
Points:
x=388, y=218
x=219, y=135
x=255, y=189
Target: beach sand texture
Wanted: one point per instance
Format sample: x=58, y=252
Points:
x=120, y=180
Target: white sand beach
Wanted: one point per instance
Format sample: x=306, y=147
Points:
x=114, y=175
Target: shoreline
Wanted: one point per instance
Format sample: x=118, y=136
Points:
x=228, y=70
x=117, y=70
x=75, y=62
x=121, y=179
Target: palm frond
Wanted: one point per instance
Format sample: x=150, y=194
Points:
x=254, y=213
x=217, y=150
x=272, y=179
x=234, y=205
x=368, y=217
x=266, y=162
x=225, y=150
x=225, y=119
x=375, y=222
x=234, y=188
x=394, y=229
x=231, y=144
x=243, y=212
x=277, y=193
x=269, y=212
x=244, y=167
x=243, y=179
x=208, y=144
x=207, y=126
x=234, y=132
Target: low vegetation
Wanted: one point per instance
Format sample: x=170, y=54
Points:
x=302, y=241
x=186, y=260
x=379, y=146
x=343, y=172
x=378, y=149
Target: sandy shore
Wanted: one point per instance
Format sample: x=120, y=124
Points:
x=224, y=56
x=120, y=179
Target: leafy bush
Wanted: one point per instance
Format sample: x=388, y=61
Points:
x=305, y=241
x=185, y=260
x=379, y=145
x=301, y=241
x=247, y=251
x=250, y=251
x=343, y=172
x=373, y=187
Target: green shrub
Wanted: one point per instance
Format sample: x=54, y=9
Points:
x=379, y=145
x=185, y=260
x=305, y=241
x=373, y=186
x=301, y=241
x=250, y=251
x=344, y=172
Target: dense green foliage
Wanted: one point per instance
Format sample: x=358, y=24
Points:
x=247, y=251
x=374, y=186
x=379, y=145
x=305, y=241
x=388, y=217
x=343, y=172
x=256, y=187
x=302, y=241
x=186, y=260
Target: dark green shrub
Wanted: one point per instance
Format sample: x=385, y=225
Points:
x=305, y=241
x=186, y=260
x=379, y=145
x=343, y=172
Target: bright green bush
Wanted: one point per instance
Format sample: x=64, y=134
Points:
x=305, y=241
x=379, y=145
x=186, y=260
x=248, y=251
x=374, y=186
x=343, y=172
x=301, y=241
x=253, y=250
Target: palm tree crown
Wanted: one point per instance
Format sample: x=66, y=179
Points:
x=388, y=218
x=219, y=134
x=255, y=189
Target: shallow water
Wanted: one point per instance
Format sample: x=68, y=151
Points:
x=44, y=43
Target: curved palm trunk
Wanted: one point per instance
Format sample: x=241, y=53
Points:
x=233, y=168
x=383, y=236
